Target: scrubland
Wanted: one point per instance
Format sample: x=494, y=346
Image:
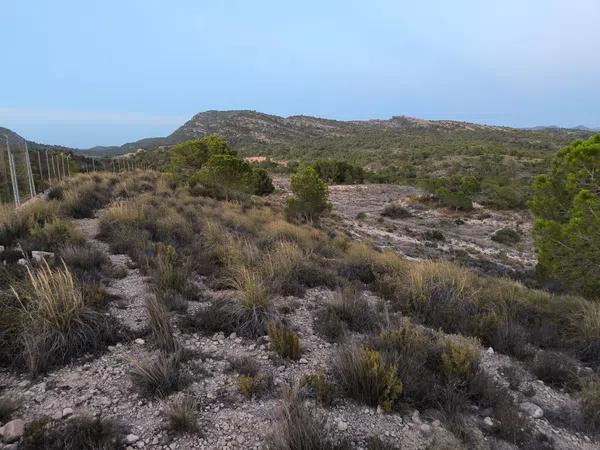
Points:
x=246, y=330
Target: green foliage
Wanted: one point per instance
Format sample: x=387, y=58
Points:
x=364, y=375
x=461, y=358
x=310, y=200
x=284, y=341
x=338, y=172
x=320, y=387
x=455, y=200
x=262, y=182
x=187, y=158
x=567, y=209
x=590, y=402
x=506, y=236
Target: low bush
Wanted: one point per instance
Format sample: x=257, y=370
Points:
x=350, y=310
x=53, y=234
x=156, y=376
x=18, y=223
x=297, y=427
x=252, y=385
x=81, y=199
x=460, y=360
x=365, y=376
x=8, y=406
x=51, y=322
x=159, y=323
x=590, y=403
x=284, y=341
x=181, y=414
x=394, y=211
x=556, y=369
x=74, y=434
x=85, y=260
x=506, y=236
x=319, y=386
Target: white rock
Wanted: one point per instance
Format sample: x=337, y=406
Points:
x=67, y=412
x=38, y=256
x=303, y=361
x=342, y=426
x=416, y=416
x=1, y=248
x=140, y=341
x=488, y=423
x=425, y=429
x=532, y=409
x=490, y=351
x=12, y=431
x=131, y=438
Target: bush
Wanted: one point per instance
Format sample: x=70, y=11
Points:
x=394, y=211
x=52, y=321
x=310, y=200
x=460, y=360
x=187, y=158
x=284, y=341
x=156, y=375
x=556, y=369
x=590, y=402
x=350, y=310
x=251, y=385
x=74, y=434
x=8, y=406
x=319, y=386
x=85, y=260
x=83, y=199
x=262, y=182
x=365, y=376
x=338, y=172
x=55, y=233
x=181, y=414
x=506, y=236
x=160, y=325
x=297, y=428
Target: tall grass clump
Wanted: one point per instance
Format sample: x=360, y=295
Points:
x=181, y=414
x=52, y=323
x=285, y=342
x=18, y=223
x=157, y=375
x=82, y=199
x=160, y=325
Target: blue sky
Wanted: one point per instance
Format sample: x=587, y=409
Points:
x=86, y=73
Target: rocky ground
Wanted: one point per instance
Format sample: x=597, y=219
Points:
x=466, y=235
x=99, y=385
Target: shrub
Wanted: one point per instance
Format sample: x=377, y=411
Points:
x=319, y=386
x=187, y=158
x=361, y=215
x=310, y=200
x=506, y=236
x=556, y=369
x=228, y=173
x=253, y=311
x=348, y=309
x=433, y=235
x=53, y=322
x=262, y=182
x=171, y=275
x=460, y=360
x=74, y=434
x=160, y=325
x=156, y=375
x=338, y=172
x=365, y=376
x=83, y=199
x=84, y=260
x=8, y=406
x=181, y=414
x=55, y=233
x=251, y=385
x=590, y=402
x=18, y=223
x=455, y=200
x=297, y=428
x=394, y=211
x=284, y=341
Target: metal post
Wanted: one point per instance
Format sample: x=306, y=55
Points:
x=39, y=158
x=48, y=165
x=62, y=157
x=13, y=174
x=29, y=172
x=69, y=165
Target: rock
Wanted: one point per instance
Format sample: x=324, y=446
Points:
x=131, y=438
x=303, y=361
x=140, y=341
x=1, y=248
x=490, y=351
x=425, y=429
x=532, y=409
x=12, y=431
x=488, y=423
x=22, y=262
x=38, y=256
x=416, y=417
x=67, y=412
x=342, y=426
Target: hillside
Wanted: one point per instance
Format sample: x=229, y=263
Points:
x=17, y=141
x=301, y=137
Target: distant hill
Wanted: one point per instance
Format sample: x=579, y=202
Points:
x=17, y=142
x=302, y=137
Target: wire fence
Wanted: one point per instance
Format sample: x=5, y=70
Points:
x=24, y=173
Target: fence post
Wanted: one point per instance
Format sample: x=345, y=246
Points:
x=29, y=172
x=13, y=174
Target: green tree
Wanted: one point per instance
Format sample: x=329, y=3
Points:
x=566, y=205
x=227, y=172
x=262, y=182
x=310, y=200
x=187, y=158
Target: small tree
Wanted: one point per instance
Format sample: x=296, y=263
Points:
x=310, y=200
x=262, y=182
x=187, y=158
x=227, y=172
x=567, y=209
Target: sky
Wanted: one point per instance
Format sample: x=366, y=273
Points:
x=106, y=72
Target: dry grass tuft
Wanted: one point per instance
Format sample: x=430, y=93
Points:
x=156, y=376
x=181, y=414
x=284, y=341
x=160, y=325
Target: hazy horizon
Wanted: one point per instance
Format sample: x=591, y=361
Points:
x=88, y=74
